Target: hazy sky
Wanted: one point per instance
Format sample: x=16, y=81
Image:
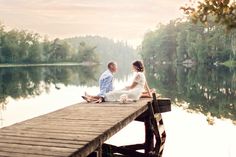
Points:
x=118, y=19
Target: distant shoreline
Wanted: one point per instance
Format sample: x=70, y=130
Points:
x=47, y=64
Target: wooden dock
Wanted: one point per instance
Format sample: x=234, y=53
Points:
x=77, y=130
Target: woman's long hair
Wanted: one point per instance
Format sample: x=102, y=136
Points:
x=138, y=66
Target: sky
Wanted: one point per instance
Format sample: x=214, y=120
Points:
x=126, y=20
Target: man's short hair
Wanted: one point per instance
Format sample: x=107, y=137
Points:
x=111, y=64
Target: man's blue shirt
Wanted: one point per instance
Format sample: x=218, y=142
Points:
x=105, y=83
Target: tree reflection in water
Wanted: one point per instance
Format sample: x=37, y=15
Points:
x=24, y=82
x=210, y=90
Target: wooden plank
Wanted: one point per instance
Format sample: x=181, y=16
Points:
x=38, y=150
x=135, y=146
x=62, y=130
x=52, y=130
x=52, y=137
x=80, y=128
x=75, y=137
x=66, y=126
x=42, y=142
x=79, y=121
x=45, y=140
x=8, y=153
x=75, y=123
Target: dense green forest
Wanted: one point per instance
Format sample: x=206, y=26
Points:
x=20, y=46
x=186, y=42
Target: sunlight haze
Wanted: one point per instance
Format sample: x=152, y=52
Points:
x=118, y=19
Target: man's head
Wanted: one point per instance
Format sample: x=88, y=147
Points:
x=112, y=66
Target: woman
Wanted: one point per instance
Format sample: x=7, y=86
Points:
x=129, y=93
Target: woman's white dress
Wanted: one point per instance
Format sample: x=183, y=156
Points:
x=132, y=94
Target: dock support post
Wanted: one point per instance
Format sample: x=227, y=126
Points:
x=93, y=154
x=97, y=153
x=149, y=137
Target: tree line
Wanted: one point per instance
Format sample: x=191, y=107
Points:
x=20, y=46
x=183, y=41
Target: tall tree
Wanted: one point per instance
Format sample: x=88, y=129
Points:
x=219, y=11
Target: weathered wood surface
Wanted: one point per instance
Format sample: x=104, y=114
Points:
x=76, y=130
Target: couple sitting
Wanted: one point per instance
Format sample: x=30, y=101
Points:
x=138, y=88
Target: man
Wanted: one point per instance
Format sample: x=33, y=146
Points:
x=105, y=84
x=106, y=79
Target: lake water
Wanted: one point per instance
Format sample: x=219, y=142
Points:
x=202, y=121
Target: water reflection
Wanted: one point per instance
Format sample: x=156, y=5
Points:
x=188, y=135
x=210, y=90
x=26, y=82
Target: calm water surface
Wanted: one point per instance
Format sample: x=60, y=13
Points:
x=202, y=121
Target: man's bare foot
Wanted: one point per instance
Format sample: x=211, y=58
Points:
x=86, y=99
x=99, y=100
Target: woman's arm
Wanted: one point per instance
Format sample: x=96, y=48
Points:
x=134, y=84
x=147, y=89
